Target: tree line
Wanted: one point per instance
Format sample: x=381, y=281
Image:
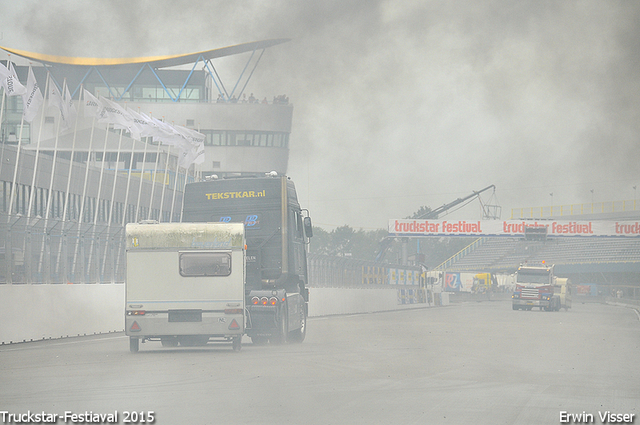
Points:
x=345, y=241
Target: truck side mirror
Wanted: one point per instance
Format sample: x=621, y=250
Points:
x=308, y=229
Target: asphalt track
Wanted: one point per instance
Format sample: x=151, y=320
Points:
x=470, y=363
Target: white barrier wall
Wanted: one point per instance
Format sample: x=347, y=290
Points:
x=328, y=301
x=36, y=312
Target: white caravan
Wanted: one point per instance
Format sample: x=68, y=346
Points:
x=185, y=283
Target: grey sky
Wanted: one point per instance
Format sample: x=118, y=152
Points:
x=403, y=104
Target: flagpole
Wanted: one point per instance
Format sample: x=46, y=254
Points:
x=153, y=181
x=113, y=201
x=104, y=155
x=144, y=159
x=73, y=150
x=4, y=94
x=55, y=158
x=37, y=158
x=126, y=200
x=126, y=196
x=115, y=178
x=15, y=168
x=33, y=191
x=184, y=188
x=164, y=189
x=50, y=194
x=98, y=201
x=65, y=205
x=153, y=178
x=83, y=199
x=175, y=189
x=86, y=173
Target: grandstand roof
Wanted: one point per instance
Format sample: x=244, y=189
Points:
x=153, y=61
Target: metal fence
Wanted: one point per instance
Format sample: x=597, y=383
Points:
x=333, y=271
x=52, y=251
x=38, y=250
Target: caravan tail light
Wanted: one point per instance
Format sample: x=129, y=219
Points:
x=135, y=313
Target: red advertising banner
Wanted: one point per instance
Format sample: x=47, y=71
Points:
x=516, y=228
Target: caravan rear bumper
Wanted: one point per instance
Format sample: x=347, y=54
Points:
x=184, y=322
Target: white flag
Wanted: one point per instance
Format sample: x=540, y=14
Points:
x=92, y=105
x=115, y=114
x=193, y=155
x=191, y=135
x=168, y=134
x=72, y=114
x=55, y=99
x=4, y=72
x=189, y=143
x=32, y=99
x=11, y=83
x=143, y=124
x=154, y=129
x=195, y=146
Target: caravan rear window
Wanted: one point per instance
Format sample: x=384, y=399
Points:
x=198, y=264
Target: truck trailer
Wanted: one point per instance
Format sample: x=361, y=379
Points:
x=537, y=286
x=185, y=283
x=277, y=231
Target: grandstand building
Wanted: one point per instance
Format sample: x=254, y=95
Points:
x=607, y=263
x=66, y=195
x=244, y=133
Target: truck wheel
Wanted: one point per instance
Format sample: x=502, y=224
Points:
x=236, y=344
x=298, y=335
x=134, y=344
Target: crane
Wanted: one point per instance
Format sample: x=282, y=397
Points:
x=435, y=213
x=386, y=242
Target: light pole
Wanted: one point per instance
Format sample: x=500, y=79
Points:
x=551, y=194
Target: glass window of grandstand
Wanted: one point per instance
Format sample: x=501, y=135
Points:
x=12, y=118
x=112, y=92
x=11, y=133
x=156, y=93
x=246, y=138
x=160, y=94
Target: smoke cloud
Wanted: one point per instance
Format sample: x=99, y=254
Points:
x=399, y=105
